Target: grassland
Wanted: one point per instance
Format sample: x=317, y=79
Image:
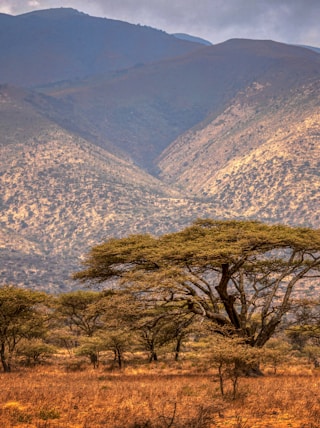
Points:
x=156, y=396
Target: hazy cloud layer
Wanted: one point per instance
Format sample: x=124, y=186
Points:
x=291, y=21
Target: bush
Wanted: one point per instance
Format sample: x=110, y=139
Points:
x=35, y=351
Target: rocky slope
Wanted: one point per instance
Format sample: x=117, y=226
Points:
x=258, y=158
x=61, y=194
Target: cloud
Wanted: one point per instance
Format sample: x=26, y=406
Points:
x=5, y=7
x=292, y=21
x=34, y=3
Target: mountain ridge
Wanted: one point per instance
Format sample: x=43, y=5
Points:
x=78, y=45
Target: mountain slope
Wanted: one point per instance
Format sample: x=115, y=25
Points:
x=62, y=44
x=259, y=158
x=62, y=194
x=143, y=110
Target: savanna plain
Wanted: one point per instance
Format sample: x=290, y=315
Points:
x=160, y=395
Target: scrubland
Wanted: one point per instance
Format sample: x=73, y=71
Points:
x=158, y=395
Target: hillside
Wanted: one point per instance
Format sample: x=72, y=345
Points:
x=259, y=158
x=61, y=194
x=143, y=110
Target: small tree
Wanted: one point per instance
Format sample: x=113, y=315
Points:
x=22, y=316
x=82, y=311
x=276, y=352
x=160, y=324
x=298, y=336
x=119, y=342
x=62, y=337
x=229, y=356
x=313, y=353
x=91, y=347
x=35, y=351
x=152, y=336
x=305, y=331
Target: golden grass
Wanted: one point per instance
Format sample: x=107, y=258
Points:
x=155, y=397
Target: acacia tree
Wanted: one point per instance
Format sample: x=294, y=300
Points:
x=82, y=311
x=229, y=356
x=99, y=320
x=22, y=316
x=160, y=326
x=241, y=275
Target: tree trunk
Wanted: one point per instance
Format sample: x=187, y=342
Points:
x=178, y=347
x=153, y=356
x=119, y=357
x=94, y=360
x=221, y=384
x=228, y=300
x=266, y=332
x=5, y=364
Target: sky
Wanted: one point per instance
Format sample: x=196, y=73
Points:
x=288, y=21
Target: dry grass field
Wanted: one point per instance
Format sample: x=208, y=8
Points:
x=156, y=396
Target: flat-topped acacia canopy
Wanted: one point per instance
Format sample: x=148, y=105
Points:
x=239, y=274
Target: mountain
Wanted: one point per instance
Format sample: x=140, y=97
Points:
x=143, y=110
x=144, y=133
x=62, y=44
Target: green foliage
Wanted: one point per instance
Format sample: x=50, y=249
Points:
x=235, y=278
x=121, y=322
x=63, y=337
x=312, y=351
